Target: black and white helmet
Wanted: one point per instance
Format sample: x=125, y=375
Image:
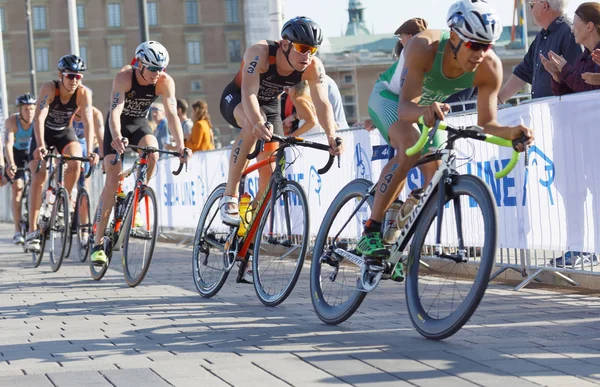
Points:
x=474, y=21
x=71, y=63
x=152, y=53
x=25, y=99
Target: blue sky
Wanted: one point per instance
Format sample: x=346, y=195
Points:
x=384, y=16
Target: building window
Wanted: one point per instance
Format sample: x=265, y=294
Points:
x=80, y=16
x=235, y=50
x=116, y=56
x=41, y=59
x=83, y=54
x=2, y=19
x=350, y=111
x=114, y=15
x=232, y=11
x=348, y=99
x=193, y=49
x=196, y=86
x=347, y=78
x=6, y=69
x=152, y=13
x=191, y=12
x=39, y=18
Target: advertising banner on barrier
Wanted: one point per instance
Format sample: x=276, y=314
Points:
x=549, y=205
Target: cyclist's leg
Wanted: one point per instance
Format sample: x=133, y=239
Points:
x=233, y=112
x=141, y=135
x=69, y=146
x=273, y=116
x=20, y=157
x=85, y=167
x=37, y=185
x=107, y=197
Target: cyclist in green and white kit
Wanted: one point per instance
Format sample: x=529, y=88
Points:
x=435, y=65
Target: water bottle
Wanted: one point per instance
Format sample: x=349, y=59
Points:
x=48, y=203
x=390, y=225
x=245, y=200
x=120, y=204
x=409, y=205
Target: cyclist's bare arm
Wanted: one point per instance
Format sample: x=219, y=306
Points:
x=165, y=87
x=84, y=103
x=11, y=128
x=418, y=59
x=304, y=112
x=41, y=112
x=488, y=79
x=98, y=122
x=121, y=84
x=256, y=61
x=315, y=75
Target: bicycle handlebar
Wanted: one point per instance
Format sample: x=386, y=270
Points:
x=441, y=125
x=299, y=142
x=151, y=149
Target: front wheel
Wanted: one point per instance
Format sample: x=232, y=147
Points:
x=208, y=255
x=140, y=228
x=280, y=245
x=60, y=233
x=333, y=280
x=443, y=290
x=83, y=224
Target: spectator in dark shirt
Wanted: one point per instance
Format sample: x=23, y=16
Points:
x=566, y=77
x=556, y=36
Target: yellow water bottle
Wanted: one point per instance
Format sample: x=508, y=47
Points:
x=245, y=200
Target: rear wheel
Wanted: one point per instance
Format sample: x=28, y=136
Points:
x=208, y=256
x=442, y=292
x=59, y=229
x=333, y=279
x=24, y=223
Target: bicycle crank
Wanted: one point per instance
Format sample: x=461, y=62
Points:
x=231, y=249
x=370, y=276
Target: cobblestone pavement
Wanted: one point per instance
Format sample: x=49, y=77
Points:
x=64, y=329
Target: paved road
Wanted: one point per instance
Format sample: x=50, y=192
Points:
x=64, y=329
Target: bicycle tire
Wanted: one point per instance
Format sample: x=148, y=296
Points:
x=37, y=256
x=209, y=214
x=260, y=272
x=328, y=313
x=83, y=245
x=58, y=229
x=147, y=234
x=24, y=221
x=423, y=320
x=97, y=272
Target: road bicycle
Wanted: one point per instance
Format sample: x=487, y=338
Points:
x=54, y=218
x=447, y=269
x=276, y=237
x=24, y=221
x=134, y=223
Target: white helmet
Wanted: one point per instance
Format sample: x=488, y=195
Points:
x=474, y=21
x=152, y=53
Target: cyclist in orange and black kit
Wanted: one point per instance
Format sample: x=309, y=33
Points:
x=252, y=99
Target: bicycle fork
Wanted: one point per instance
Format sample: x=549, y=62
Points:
x=444, y=184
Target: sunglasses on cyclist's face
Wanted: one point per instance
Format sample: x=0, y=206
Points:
x=155, y=69
x=304, y=48
x=473, y=46
x=73, y=76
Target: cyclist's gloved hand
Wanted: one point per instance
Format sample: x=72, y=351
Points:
x=119, y=144
x=93, y=159
x=435, y=111
x=336, y=146
x=522, y=137
x=10, y=172
x=39, y=153
x=263, y=130
x=185, y=153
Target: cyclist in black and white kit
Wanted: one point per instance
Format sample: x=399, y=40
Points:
x=252, y=99
x=57, y=103
x=135, y=88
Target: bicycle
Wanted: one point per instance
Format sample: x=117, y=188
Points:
x=53, y=220
x=131, y=223
x=433, y=258
x=81, y=211
x=277, y=234
x=24, y=221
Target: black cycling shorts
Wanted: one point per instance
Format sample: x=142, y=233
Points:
x=232, y=96
x=20, y=157
x=59, y=139
x=134, y=129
